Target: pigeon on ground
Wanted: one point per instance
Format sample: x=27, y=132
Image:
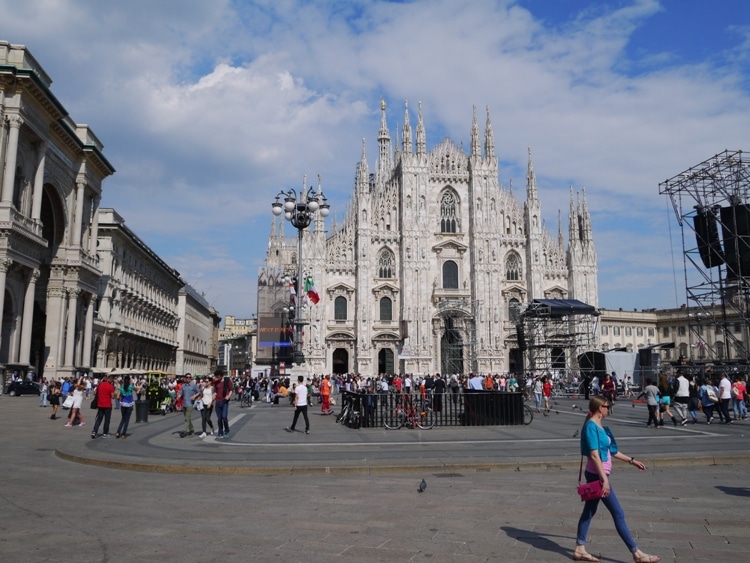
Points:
x=422, y=486
x=574, y=407
x=575, y=435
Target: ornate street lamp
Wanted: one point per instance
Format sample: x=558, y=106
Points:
x=300, y=210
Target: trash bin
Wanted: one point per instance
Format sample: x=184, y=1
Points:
x=141, y=411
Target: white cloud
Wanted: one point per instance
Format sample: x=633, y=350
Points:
x=208, y=108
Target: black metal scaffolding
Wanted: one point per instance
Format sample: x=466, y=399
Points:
x=712, y=207
x=553, y=333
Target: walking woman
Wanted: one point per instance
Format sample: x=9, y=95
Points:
x=599, y=446
x=75, y=410
x=54, y=398
x=124, y=393
x=207, y=398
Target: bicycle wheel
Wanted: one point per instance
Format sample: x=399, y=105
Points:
x=528, y=414
x=343, y=414
x=394, y=420
x=425, y=418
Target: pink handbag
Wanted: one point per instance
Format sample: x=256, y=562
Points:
x=588, y=491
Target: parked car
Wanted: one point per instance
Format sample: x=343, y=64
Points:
x=17, y=388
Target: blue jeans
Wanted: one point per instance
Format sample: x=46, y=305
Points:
x=618, y=515
x=739, y=408
x=122, y=429
x=222, y=415
x=538, y=400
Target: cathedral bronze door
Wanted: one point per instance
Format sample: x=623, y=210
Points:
x=385, y=361
x=340, y=361
x=451, y=349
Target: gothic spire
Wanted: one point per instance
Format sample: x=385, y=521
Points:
x=363, y=174
x=573, y=237
x=407, y=146
x=489, y=138
x=384, y=140
x=560, y=239
x=531, y=191
x=586, y=234
x=421, y=138
x=474, y=135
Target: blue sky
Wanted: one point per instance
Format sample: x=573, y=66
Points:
x=208, y=108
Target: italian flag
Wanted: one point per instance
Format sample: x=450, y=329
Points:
x=311, y=292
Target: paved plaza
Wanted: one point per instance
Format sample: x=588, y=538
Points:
x=493, y=493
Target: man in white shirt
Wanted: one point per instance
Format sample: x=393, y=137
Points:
x=682, y=397
x=300, y=404
x=725, y=396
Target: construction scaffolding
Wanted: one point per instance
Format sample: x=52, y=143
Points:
x=712, y=205
x=553, y=333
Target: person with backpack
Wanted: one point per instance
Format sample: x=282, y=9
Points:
x=709, y=396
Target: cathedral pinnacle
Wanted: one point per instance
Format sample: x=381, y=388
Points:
x=474, y=135
x=489, y=138
x=531, y=191
x=407, y=146
x=421, y=137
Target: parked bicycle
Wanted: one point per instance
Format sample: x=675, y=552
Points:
x=408, y=413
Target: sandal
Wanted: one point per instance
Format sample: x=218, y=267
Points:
x=646, y=558
x=585, y=557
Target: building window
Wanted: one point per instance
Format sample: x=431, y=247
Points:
x=386, y=309
x=514, y=306
x=665, y=331
x=616, y=331
x=385, y=264
x=737, y=328
x=339, y=308
x=605, y=330
x=512, y=267
x=450, y=275
x=448, y=221
x=639, y=331
x=628, y=331
x=651, y=332
x=681, y=331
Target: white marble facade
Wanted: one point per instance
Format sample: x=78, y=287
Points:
x=432, y=262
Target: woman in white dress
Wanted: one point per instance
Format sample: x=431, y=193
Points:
x=75, y=411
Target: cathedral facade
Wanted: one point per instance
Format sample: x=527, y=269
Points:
x=431, y=266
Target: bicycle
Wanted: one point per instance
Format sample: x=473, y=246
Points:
x=406, y=413
x=246, y=400
x=528, y=415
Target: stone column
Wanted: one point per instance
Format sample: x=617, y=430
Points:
x=78, y=221
x=4, y=267
x=28, y=318
x=88, y=331
x=9, y=178
x=94, y=226
x=70, y=340
x=36, y=206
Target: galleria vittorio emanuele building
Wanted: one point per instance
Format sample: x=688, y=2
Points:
x=431, y=265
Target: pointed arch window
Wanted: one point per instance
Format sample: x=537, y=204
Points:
x=386, y=262
x=449, y=213
x=450, y=275
x=512, y=267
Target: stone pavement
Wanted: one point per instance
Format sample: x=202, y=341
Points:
x=493, y=494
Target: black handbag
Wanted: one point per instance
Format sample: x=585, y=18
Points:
x=95, y=401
